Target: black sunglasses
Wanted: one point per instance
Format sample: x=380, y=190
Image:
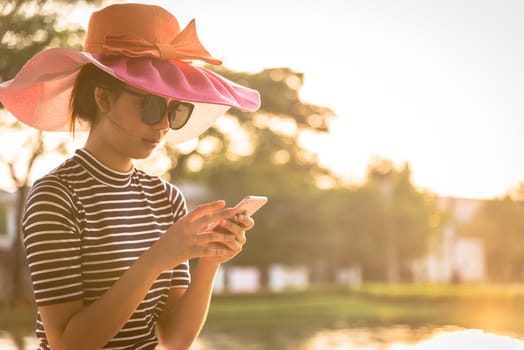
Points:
x=154, y=107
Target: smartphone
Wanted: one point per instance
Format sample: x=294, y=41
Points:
x=251, y=204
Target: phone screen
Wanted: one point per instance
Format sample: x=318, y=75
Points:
x=251, y=204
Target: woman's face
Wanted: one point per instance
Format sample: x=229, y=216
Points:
x=121, y=129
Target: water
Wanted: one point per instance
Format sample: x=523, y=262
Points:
x=395, y=337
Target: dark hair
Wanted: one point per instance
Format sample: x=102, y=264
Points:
x=82, y=104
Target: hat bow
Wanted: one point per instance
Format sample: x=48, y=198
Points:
x=185, y=46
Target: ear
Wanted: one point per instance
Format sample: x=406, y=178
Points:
x=103, y=99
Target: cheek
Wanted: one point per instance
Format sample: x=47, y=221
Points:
x=128, y=114
x=126, y=122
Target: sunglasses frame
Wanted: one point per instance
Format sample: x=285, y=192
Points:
x=169, y=107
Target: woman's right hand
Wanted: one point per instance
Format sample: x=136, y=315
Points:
x=192, y=236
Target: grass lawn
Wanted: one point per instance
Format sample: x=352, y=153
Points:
x=493, y=308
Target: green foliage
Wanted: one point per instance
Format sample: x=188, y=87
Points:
x=279, y=92
x=271, y=137
x=329, y=229
x=500, y=224
x=396, y=223
x=27, y=27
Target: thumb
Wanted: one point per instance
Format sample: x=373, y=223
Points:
x=205, y=209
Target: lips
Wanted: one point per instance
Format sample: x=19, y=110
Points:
x=154, y=139
x=152, y=142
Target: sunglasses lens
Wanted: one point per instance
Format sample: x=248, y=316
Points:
x=179, y=113
x=153, y=109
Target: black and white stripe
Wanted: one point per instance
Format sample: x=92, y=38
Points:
x=85, y=225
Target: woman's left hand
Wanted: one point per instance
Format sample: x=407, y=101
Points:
x=237, y=225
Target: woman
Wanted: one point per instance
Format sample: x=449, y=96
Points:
x=107, y=244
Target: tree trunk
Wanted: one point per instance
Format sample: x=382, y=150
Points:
x=19, y=271
x=392, y=264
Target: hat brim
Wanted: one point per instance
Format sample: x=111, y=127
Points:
x=39, y=95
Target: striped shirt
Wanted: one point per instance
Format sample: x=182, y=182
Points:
x=84, y=226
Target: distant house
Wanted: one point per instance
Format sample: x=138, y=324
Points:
x=247, y=279
x=282, y=277
x=454, y=258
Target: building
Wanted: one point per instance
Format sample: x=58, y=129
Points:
x=454, y=259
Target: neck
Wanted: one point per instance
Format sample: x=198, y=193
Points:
x=108, y=156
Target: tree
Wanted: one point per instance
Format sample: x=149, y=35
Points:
x=27, y=27
x=406, y=214
x=500, y=224
x=244, y=150
x=517, y=193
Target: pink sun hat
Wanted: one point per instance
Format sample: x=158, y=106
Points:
x=152, y=55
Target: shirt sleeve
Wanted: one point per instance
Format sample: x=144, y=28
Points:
x=181, y=277
x=52, y=243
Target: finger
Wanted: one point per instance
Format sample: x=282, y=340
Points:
x=229, y=226
x=214, y=237
x=246, y=221
x=205, y=209
x=241, y=238
x=211, y=219
x=235, y=227
x=233, y=247
x=238, y=231
x=213, y=250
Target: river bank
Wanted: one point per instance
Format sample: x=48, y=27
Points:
x=493, y=308
x=414, y=308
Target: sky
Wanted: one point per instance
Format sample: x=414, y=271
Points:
x=435, y=83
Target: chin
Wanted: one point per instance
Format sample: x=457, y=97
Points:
x=138, y=153
x=142, y=155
